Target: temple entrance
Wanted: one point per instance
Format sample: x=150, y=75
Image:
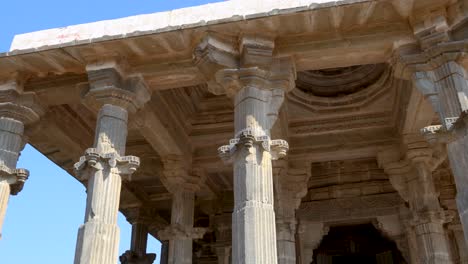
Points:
x=361, y=244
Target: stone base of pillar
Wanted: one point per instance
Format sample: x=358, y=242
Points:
x=103, y=246
x=130, y=257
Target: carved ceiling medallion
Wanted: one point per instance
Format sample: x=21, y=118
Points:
x=338, y=82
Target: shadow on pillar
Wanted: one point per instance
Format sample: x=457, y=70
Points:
x=361, y=244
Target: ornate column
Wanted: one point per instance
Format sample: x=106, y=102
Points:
x=103, y=166
x=310, y=237
x=412, y=178
x=182, y=183
x=257, y=82
x=17, y=110
x=290, y=186
x=436, y=67
x=223, y=232
x=137, y=253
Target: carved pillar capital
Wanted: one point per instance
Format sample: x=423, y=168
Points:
x=17, y=110
x=109, y=84
x=178, y=175
x=130, y=257
x=231, y=63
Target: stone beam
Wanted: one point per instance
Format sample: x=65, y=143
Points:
x=156, y=133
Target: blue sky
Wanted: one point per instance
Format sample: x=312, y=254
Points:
x=42, y=221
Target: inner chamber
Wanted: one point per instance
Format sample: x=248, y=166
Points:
x=361, y=244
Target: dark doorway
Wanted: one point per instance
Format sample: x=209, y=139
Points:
x=361, y=244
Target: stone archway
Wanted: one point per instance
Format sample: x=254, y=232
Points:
x=362, y=244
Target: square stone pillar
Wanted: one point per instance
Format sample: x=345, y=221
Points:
x=290, y=183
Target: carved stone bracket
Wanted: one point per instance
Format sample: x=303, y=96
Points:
x=109, y=84
x=448, y=132
x=130, y=257
x=92, y=159
x=179, y=232
x=179, y=174
x=15, y=177
x=278, y=147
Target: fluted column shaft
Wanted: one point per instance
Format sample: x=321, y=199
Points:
x=462, y=248
x=432, y=242
x=286, y=243
x=11, y=138
x=450, y=82
x=254, y=230
x=98, y=238
x=428, y=219
x=286, y=231
x=139, y=238
x=182, y=213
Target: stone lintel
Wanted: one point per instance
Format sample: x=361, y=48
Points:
x=180, y=232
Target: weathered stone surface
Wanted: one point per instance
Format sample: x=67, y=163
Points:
x=371, y=76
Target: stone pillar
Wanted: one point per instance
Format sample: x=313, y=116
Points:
x=247, y=71
x=412, y=178
x=449, y=80
x=223, y=247
x=164, y=252
x=182, y=182
x=460, y=243
x=16, y=110
x=444, y=84
x=103, y=166
x=310, y=237
x=290, y=186
x=180, y=247
x=137, y=253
